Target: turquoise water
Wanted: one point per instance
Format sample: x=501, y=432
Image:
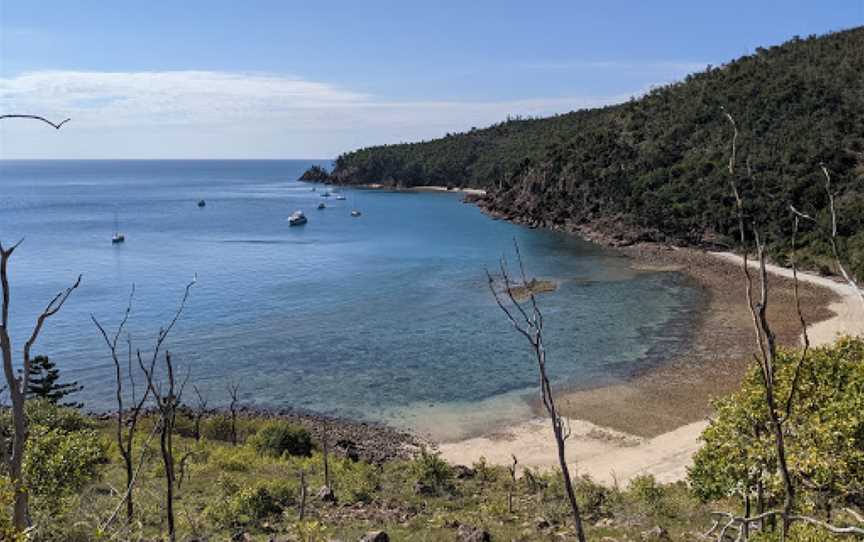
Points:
x=383, y=317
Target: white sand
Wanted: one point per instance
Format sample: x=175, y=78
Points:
x=609, y=456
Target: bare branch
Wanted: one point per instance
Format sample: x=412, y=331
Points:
x=56, y=126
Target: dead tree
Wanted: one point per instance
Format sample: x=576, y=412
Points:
x=529, y=323
x=512, y=488
x=127, y=421
x=234, y=393
x=778, y=411
x=17, y=386
x=167, y=402
x=325, y=450
x=200, y=410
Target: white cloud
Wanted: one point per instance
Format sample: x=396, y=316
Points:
x=223, y=114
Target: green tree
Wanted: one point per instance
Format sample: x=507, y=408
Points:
x=825, y=433
x=43, y=384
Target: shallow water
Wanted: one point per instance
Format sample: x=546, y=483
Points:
x=383, y=317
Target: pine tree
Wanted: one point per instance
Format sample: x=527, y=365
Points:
x=44, y=375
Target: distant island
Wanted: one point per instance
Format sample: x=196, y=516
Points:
x=654, y=168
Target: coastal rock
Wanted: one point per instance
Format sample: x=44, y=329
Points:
x=467, y=533
x=375, y=536
x=464, y=473
x=315, y=174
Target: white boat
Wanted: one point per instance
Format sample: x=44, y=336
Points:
x=340, y=197
x=355, y=212
x=118, y=237
x=297, y=219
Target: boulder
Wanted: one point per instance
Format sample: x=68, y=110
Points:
x=375, y=536
x=467, y=533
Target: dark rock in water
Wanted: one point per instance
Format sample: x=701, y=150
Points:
x=315, y=174
x=325, y=494
x=375, y=536
x=201, y=203
x=467, y=533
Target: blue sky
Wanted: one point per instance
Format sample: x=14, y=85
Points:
x=262, y=79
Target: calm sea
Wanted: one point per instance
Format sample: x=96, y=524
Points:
x=383, y=317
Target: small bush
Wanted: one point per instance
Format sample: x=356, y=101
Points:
x=594, y=499
x=430, y=472
x=217, y=427
x=241, y=506
x=58, y=464
x=277, y=438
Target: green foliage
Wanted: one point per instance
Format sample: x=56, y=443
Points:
x=315, y=174
x=217, y=427
x=430, y=472
x=242, y=505
x=657, y=164
x=277, y=438
x=825, y=433
x=8, y=532
x=595, y=501
x=64, y=453
x=43, y=382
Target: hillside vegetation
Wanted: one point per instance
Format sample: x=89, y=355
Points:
x=655, y=168
x=269, y=485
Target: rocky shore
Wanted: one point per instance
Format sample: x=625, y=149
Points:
x=372, y=442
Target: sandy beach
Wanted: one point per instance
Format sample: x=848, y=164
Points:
x=429, y=188
x=651, y=423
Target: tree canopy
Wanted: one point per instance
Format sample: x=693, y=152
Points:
x=657, y=164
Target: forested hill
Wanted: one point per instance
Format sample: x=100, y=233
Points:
x=655, y=167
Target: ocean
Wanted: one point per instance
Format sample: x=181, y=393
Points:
x=383, y=317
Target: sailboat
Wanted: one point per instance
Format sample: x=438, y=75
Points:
x=118, y=236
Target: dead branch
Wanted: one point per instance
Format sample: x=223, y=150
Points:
x=530, y=326
x=56, y=126
x=200, y=410
x=233, y=391
x=167, y=403
x=124, y=441
x=832, y=235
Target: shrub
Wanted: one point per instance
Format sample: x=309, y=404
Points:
x=216, y=427
x=249, y=504
x=7, y=498
x=594, y=499
x=58, y=463
x=825, y=443
x=276, y=438
x=430, y=472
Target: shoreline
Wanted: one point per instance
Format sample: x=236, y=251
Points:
x=651, y=424
x=421, y=188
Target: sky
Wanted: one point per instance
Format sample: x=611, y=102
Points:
x=285, y=79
